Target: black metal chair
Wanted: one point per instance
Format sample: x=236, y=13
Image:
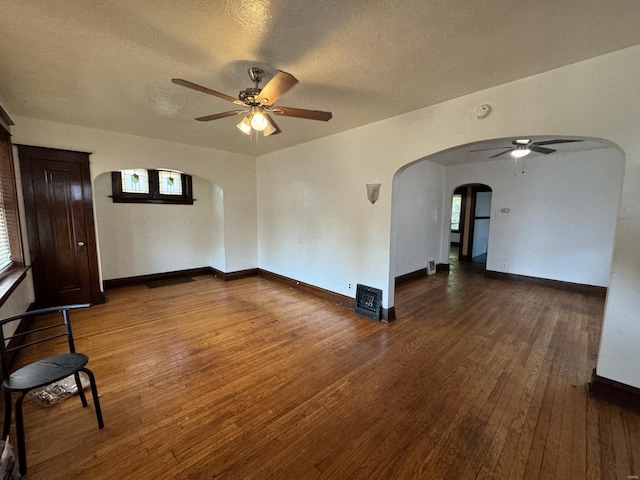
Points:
x=41, y=372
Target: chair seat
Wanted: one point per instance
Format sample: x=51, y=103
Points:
x=45, y=371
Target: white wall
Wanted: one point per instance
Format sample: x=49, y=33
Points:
x=316, y=224
x=314, y=218
x=481, y=226
x=562, y=216
x=417, y=216
x=480, y=237
x=233, y=244
x=17, y=303
x=216, y=229
x=141, y=239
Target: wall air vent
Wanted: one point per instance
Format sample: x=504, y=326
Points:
x=368, y=301
x=431, y=267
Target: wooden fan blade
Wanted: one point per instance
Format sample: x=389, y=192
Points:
x=501, y=153
x=199, y=88
x=536, y=148
x=279, y=84
x=555, y=142
x=302, y=113
x=485, y=149
x=276, y=129
x=216, y=116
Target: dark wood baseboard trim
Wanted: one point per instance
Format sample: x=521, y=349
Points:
x=411, y=276
x=388, y=314
x=418, y=274
x=545, y=282
x=615, y=392
x=141, y=279
x=192, y=272
x=252, y=272
x=98, y=298
x=333, y=297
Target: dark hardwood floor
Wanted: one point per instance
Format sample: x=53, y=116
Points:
x=477, y=378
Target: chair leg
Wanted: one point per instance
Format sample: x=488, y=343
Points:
x=22, y=453
x=7, y=414
x=83, y=399
x=96, y=399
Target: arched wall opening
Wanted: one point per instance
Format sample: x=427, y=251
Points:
x=136, y=239
x=553, y=219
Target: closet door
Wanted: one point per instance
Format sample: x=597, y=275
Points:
x=59, y=214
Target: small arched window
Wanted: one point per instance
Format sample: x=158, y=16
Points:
x=151, y=186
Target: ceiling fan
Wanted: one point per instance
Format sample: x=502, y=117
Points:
x=523, y=146
x=258, y=103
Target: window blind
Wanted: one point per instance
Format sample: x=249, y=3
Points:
x=10, y=242
x=5, y=246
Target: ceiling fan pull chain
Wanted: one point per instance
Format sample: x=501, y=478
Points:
x=255, y=139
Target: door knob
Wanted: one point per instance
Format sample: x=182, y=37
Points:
x=81, y=244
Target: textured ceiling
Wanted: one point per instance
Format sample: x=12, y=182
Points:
x=108, y=64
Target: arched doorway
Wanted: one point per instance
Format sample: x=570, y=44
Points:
x=553, y=220
x=470, y=223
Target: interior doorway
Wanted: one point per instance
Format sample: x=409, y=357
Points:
x=470, y=223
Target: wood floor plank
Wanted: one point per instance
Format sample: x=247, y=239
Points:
x=478, y=378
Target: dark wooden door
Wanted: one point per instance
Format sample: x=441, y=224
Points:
x=59, y=214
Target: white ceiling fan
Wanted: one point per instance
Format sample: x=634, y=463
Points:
x=522, y=147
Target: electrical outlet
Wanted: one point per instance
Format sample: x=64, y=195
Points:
x=504, y=265
x=349, y=286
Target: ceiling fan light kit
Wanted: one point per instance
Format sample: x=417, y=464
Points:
x=258, y=120
x=259, y=103
x=520, y=152
x=245, y=126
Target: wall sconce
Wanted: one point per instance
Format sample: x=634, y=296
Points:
x=373, y=192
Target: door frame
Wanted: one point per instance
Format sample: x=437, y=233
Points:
x=467, y=222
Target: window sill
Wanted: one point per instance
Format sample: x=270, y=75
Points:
x=165, y=201
x=10, y=282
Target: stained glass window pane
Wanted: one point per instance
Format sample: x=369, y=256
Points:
x=135, y=181
x=170, y=183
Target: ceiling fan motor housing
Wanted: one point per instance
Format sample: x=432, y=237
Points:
x=249, y=95
x=256, y=75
